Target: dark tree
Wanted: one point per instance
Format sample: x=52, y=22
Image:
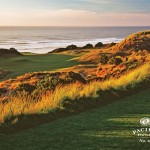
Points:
x=99, y=45
x=88, y=46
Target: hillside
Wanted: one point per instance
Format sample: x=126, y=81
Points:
x=35, y=94
x=134, y=42
x=117, y=60
x=9, y=52
x=84, y=85
x=37, y=83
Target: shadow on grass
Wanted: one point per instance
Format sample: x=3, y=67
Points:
x=106, y=128
x=22, y=122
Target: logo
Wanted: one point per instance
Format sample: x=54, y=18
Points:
x=143, y=133
x=145, y=121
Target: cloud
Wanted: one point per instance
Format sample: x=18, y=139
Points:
x=71, y=17
x=100, y=1
x=100, y=6
x=74, y=12
x=120, y=6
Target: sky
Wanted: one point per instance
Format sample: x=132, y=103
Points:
x=74, y=12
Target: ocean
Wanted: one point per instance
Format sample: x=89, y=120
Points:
x=45, y=39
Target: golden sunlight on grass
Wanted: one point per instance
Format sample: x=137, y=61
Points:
x=23, y=103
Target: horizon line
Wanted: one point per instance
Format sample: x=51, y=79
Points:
x=82, y=26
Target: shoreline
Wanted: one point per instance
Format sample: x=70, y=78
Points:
x=43, y=47
x=44, y=39
x=84, y=47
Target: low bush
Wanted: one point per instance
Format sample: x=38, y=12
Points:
x=99, y=45
x=103, y=59
x=87, y=46
x=115, y=61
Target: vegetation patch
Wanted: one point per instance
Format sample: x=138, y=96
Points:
x=134, y=42
x=100, y=76
x=20, y=65
x=72, y=97
x=9, y=52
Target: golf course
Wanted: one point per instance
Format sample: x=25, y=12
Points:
x=105, y=128
x=20, y=65
x=74, y=98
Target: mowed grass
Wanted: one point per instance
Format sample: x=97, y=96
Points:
x=105, y=128
x=32, y=63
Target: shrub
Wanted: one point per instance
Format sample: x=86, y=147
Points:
x=103, y=59
x=88, y=46
x=99, y=45
x=47, y=83
x=25, y=87
x=71, y=47
x=122, y=54
x=115, y=60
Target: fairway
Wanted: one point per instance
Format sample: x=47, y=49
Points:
x=32, y=63
x=105, y=128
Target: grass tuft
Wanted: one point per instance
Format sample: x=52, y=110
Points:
x=23, y=103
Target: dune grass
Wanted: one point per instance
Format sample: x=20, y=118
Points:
x=20, y=65
x=106, y=128
x=65, y=96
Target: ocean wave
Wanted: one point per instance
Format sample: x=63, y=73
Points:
x=44, y=46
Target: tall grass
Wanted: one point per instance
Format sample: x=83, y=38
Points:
x=24, y=103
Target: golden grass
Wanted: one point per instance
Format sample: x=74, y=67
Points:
x=24, y=103
x=92, y=56
x=137, y=41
